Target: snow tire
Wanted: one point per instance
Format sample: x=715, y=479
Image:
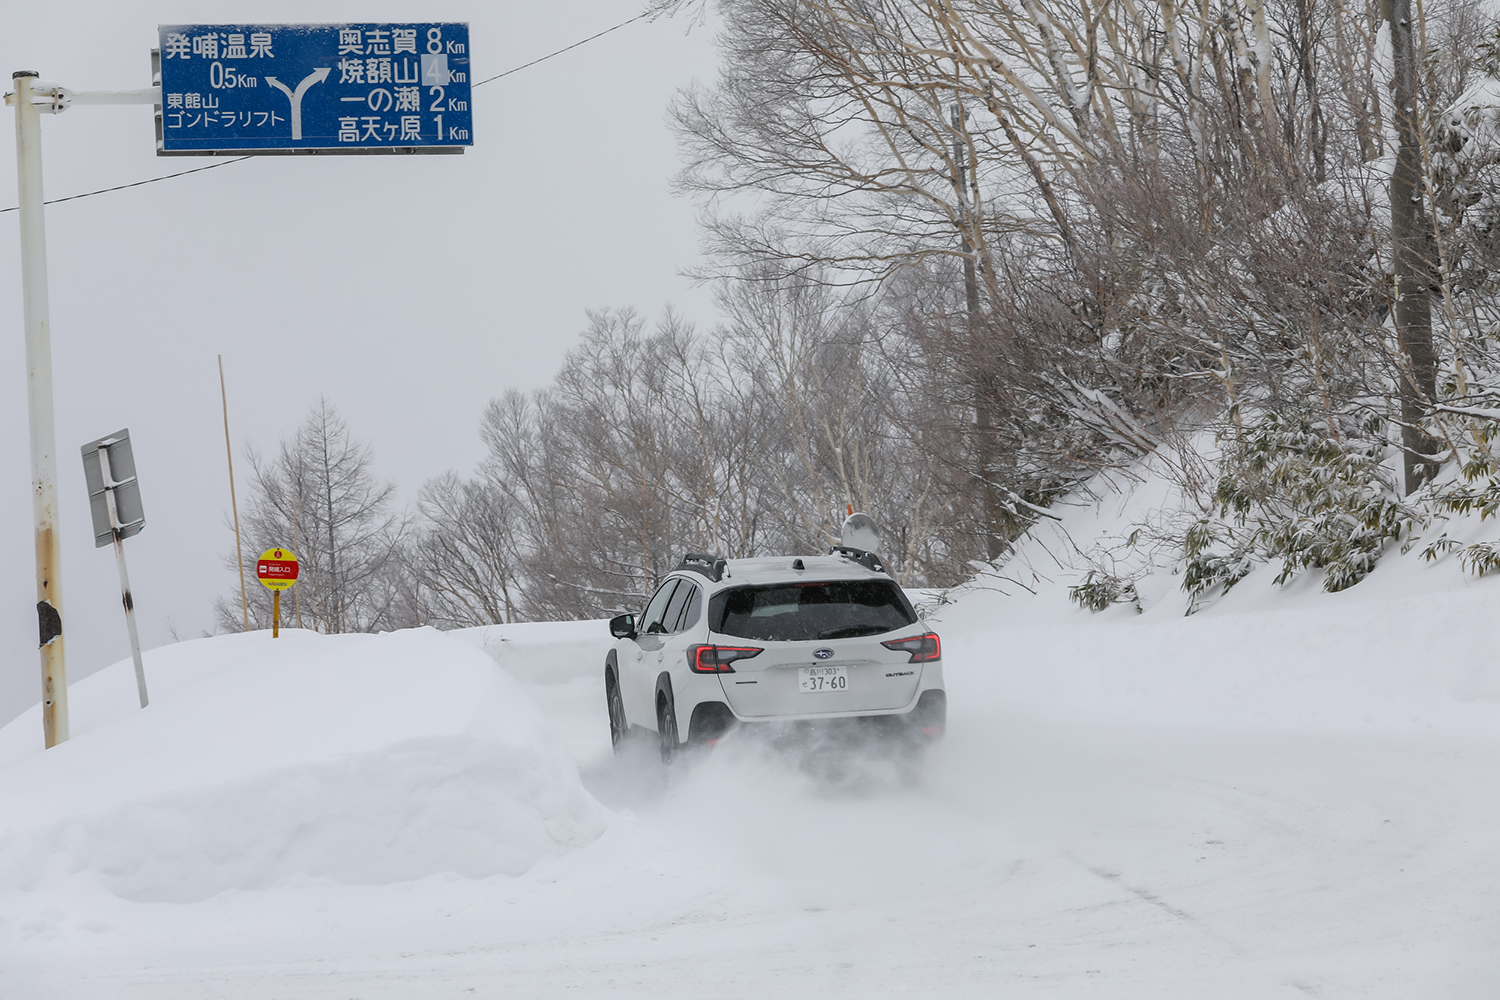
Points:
x=666, y=728
x=619, y=729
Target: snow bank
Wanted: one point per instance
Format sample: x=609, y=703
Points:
x=544, y=652
x=561, y=666
x=1379, y=665
x=1411, y=645
x=357, y=759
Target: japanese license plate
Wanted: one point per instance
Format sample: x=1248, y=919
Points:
x=820, y=679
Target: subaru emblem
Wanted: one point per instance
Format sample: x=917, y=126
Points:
x=822, y=654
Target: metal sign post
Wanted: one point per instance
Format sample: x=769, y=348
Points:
x=116, y=508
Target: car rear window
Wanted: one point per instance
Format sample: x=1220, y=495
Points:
x=836, y=609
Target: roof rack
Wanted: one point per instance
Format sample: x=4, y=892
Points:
x=709, y=566
x=868, y=560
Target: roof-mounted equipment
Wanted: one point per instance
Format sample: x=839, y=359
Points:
x=868, y=560
x=708, y=566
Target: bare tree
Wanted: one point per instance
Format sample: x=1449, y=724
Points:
x=465, y=554
x=318, y=496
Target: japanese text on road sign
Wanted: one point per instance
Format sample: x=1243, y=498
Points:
x=277, y=568
x=332, y=87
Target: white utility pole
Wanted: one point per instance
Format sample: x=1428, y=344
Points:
x=39, y=399
x=30, y=101
x=125, y=596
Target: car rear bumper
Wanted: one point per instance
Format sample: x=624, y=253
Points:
x=902, y=714
x=921, y=722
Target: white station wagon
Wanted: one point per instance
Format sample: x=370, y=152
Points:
x=774, y=640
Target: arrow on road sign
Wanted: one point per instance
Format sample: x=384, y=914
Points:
x=295, y=96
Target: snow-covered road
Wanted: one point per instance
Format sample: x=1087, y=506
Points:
x=1037, y=857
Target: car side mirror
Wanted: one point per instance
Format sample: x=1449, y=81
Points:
x=622, y=627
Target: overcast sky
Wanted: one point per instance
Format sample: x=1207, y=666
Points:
x=409, y=290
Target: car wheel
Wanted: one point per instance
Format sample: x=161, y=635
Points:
x=619, y=731
x=666, y=728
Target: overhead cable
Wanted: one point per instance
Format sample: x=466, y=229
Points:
x=566, y=48
x=134, y=184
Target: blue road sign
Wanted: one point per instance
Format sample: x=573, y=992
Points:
x=273, y=88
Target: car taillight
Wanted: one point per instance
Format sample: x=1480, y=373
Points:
x=717, y=659
x=922, y=647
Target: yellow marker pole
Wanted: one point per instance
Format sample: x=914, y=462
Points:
x=276, y=570
x=239, y=555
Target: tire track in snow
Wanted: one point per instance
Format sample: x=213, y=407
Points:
x=1197, y=923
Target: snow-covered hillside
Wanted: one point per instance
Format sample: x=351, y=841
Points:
x=1287, y=793
x=1412, y=645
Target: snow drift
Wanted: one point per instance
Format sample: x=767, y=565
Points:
x=560, y=665
x=1410, y=646
x=358, y=759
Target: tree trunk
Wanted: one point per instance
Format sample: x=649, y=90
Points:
x=985, y=452
x=1260, y=58
x=1411, y=235
x=334, y=592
